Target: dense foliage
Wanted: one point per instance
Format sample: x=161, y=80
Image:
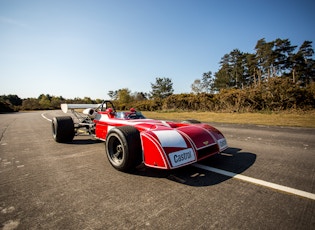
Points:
x=271, y=59
x=276, y=77
x=277, y=94
x=11, y=103
x=162, y=88
x=273, y=95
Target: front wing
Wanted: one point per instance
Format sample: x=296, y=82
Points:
x=168, y=149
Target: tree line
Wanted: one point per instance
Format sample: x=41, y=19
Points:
x=13, y=103
x=277, y=94
x=277, y=58
x=278, y=76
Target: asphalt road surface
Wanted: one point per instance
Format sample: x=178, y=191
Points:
x=47, y=185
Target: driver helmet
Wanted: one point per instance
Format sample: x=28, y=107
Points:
x=110, y=111
x=132, y=110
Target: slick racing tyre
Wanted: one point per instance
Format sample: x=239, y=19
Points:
x=62, y=129
x=123, y=148
x=191, y=122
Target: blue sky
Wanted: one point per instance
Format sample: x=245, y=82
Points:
x=85, y=48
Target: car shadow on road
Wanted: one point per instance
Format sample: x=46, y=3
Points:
x=84, y=141
x=231, y=160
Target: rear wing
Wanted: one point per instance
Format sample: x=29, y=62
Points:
x=66, y=107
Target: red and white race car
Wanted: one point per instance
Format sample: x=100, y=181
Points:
x=131, y=139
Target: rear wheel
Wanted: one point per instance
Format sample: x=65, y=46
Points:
x=191, y=121
x=62, y=129
x=123, y=148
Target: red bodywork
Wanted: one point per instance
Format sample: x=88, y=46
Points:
x=166, y=144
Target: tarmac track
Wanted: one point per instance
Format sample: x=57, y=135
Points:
x=47, y=185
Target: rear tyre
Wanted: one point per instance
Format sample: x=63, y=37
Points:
x=191, y=122
x=62, y=129
x=123, y=148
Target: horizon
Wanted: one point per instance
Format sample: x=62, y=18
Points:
x=78, y=49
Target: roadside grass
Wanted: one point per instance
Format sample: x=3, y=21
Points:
x=294, y=119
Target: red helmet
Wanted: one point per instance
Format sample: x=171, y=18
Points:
x=110, y=111
x=132, y=110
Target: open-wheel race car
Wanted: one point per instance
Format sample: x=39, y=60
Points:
x=131, y=139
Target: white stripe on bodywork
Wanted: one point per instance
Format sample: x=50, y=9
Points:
x=170, y=138
x=103, y=117
x=109, y=127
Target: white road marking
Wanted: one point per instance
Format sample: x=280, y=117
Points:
x=43, y=115
x=257, y=181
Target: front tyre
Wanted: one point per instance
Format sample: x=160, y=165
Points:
x=123, y=148
x=62, y=129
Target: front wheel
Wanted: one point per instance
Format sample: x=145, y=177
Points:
x=62, y=129
x=123, y=148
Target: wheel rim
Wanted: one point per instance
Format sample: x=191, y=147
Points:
x=115, y=151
